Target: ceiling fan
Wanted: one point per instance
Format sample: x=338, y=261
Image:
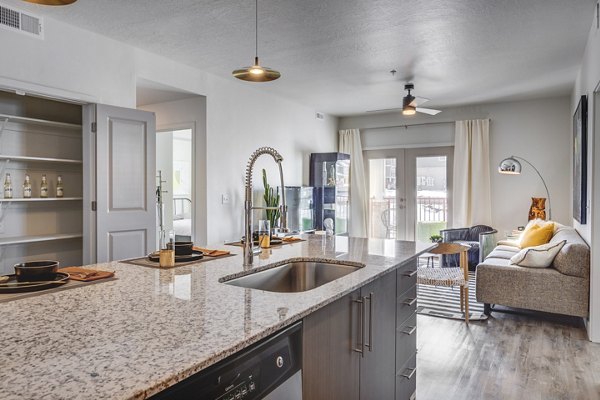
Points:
x=410, y=104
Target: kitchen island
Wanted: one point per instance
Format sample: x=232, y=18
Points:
x=134, y=336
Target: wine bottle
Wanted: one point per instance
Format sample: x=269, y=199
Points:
x=27, y=187
x=8, y=190
x=44, y=187
x=59, y=187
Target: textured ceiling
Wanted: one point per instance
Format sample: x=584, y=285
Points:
x=335, y=54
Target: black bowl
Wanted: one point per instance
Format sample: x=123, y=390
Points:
x=182, y=248
x=36, y=271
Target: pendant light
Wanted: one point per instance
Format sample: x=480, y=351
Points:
x=256, y=73
x=52, y=2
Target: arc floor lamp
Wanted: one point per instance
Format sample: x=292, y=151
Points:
x=512, y=166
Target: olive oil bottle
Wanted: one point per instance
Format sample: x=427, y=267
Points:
x=27, y=187
x=59, y=187
x=8, y=189
x=44, y=187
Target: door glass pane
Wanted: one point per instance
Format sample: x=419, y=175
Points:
x=432, y=197
x=382, y=198
x=174, y=163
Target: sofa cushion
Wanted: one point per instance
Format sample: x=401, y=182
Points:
x=504, y=253
x=538, y=256
x=496, y=262
x=536, y=235
x=574, y=258
x=509, y=242
x=503, y=247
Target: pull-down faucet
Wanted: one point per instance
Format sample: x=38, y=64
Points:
x=248, y=248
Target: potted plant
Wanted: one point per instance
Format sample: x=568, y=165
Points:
x=271, y=198
x=436, y=239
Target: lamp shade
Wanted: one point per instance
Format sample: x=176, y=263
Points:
x=52, y=2
x=509, y=166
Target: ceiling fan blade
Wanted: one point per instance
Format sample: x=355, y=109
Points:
x=418, y=101
x=429, y=111
x=385, y=109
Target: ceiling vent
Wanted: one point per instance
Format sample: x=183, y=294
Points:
x=19, y=21
x=320, y=116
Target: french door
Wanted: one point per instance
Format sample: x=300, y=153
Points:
x=409, y=192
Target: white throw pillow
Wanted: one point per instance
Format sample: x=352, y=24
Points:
x=538, y=256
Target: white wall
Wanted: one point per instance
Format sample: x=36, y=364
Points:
x=537, y=130
x=587, y=82
x=240, y=116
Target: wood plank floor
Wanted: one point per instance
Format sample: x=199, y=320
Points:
x=520, y=357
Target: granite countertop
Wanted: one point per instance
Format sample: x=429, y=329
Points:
x=132, y=337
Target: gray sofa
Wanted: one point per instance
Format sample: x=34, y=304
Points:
x=563, y=288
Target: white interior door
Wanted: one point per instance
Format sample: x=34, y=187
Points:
x=125, y=183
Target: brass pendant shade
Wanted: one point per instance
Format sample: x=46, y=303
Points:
x=52, y=2
x=256, y=73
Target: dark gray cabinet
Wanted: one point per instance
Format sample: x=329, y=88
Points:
x=330, y=364
x=363, y=346
x=406, y=331
x=378, y=364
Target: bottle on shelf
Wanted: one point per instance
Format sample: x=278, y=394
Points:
x=59, y=187
x=8, y=189
x=44, y=187
x=27, y=187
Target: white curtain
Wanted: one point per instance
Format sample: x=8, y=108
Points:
x=471, y=192
x=350, y=144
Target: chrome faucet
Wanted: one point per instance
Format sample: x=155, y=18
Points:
x=248, y=208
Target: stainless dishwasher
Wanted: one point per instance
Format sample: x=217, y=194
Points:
x=269, y=369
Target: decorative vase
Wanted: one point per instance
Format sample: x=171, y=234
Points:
x=538, y=208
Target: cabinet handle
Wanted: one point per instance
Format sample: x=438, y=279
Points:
x=409, y=330
x=410, y=302
x=410, y=274
x=361, y=320
x=410, y=374
x=371, y=300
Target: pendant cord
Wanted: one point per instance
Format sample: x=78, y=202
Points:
x=256, y=30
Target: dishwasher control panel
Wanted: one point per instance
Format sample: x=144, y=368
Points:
x=250, y=374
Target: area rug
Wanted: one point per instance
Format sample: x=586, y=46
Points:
x=444, y=302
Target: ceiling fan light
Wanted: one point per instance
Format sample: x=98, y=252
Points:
x=409, y=110
x=407, y=107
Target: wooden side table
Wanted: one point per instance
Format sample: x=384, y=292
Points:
x=450, y=276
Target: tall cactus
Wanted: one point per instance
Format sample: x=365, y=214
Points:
x=271, y=198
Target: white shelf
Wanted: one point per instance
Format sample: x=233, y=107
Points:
x=36, y=121
x=36, y=199
x=38, y=238
x=40, y=159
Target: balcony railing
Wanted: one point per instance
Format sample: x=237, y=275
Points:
x=382, y=221
x=432, y=209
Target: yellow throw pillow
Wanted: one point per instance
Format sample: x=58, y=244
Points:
x=536, y=235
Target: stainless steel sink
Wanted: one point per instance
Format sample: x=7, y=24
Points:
x=295, y=276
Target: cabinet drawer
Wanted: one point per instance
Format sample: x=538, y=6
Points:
x=406, y=304
x=406, y=379
x=406, y=277
x=406, y=340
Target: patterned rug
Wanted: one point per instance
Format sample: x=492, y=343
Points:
x=439, y=301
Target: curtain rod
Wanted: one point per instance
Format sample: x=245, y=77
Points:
x=410, y=125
